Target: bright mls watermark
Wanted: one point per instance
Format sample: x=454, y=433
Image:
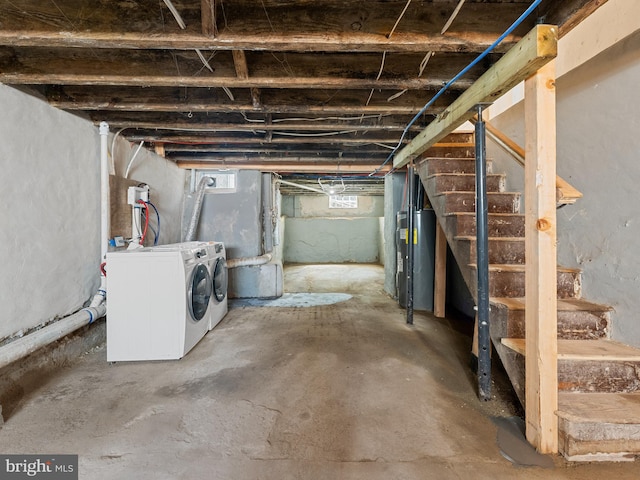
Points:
x=51, y=467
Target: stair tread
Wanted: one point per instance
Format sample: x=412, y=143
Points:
x=610, y=408
x=564, y=305
x=584, y=350
x=491, y=214
x=456, y=174
x=457, y=192
x=509, y=267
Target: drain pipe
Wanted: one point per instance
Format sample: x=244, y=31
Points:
x=197, y=208
x=30, y=343
x=249, y=261
x=267, y=211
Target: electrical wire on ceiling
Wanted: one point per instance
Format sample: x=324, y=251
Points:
x=460, y=74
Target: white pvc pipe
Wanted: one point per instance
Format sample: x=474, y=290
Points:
x=30, y=343
x=317, y=190
x=249, y=261
x=104, y=190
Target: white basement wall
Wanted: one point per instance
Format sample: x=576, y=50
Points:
x=599, y=153
x=50, y=215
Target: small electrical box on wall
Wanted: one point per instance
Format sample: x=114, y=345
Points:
x=135, y=194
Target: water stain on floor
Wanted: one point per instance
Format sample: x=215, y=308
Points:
x=292, y=300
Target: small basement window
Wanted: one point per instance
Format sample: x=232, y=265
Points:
x=343, y=201
x=224, y=180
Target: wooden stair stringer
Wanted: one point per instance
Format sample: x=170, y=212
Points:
x=598, y=379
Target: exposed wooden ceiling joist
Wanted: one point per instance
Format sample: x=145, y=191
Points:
x=254, y=81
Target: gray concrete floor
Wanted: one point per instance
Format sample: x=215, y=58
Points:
x=342, y=391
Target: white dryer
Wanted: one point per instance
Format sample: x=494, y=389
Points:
x=158, y=301
x=220, y=279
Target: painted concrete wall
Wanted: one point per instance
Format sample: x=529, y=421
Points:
x=598, y=145
x=50, y=223
x=315, y=233
x=331, y=240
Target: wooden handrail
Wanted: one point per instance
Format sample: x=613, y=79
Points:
x=565, y=192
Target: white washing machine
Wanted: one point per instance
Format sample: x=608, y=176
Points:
x=220, y=279
x=159, y=300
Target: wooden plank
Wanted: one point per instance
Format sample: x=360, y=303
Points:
x=541, y=315
x=277, y=42
x=204, y=127
x=176, y=137
x=565, y=192
x=583, y=350
x=177, y=106
x=208, y=16
x=440, y=277
x=536, y=49
x=160, y=149
x=328, y=83
x=617, y=408
x=240, y=63
x=299, y=167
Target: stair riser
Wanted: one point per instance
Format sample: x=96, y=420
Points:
x=501, y=251
x=458, y=138
x=497, y=202
x=498, y=226
x=588, y=441
x=511, y=284
x=465, y=183
x=604, y=375
x=450, y=152
x=448, y=165
x=574, y=325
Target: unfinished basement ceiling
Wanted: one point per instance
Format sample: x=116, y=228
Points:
x=322, y=87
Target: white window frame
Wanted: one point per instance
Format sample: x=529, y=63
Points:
x=343, y=201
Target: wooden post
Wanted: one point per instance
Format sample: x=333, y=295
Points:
x=541, y=384
x=440, y=277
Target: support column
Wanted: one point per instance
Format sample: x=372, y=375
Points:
x=482, y=261
x=541, y=385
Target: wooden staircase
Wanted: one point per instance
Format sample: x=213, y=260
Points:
x=599, y=379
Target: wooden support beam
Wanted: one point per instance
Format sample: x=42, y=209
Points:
x=302, y=167
x=440, y=277
x=240, y=64
x=242, y=70
x=277, y=42
x=176, y=106
x=541, y=383
x=333, y=130
x=208, y=16
x=361, y=139
x=536, y=49
x=327, y=83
